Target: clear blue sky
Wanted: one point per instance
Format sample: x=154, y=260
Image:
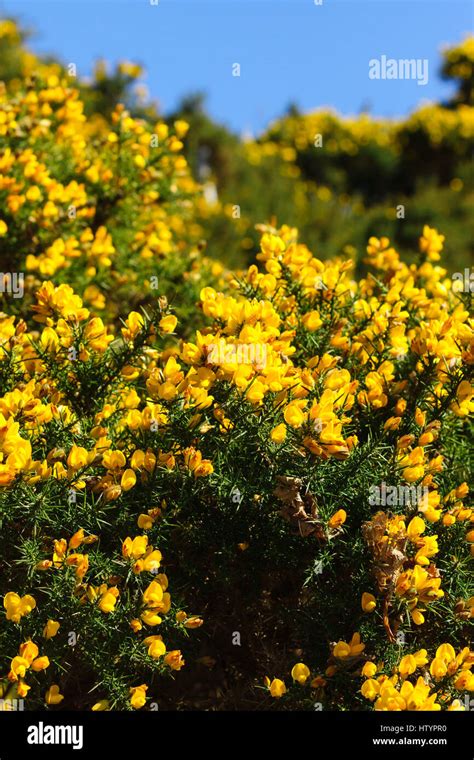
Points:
x=288, y=50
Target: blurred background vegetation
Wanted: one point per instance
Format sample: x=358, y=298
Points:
x=338, y=179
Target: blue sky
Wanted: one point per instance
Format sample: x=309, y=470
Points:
x=288, y=50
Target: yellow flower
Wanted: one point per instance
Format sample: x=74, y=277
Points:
x=465, y=681
x=203, y=469
x=77, y=539
x=462, y=491
x=300, y=673
x=60, y=549
x=370, y=689
x=277, y=687
x=181, y=127
x=418, y=585
x=18, y=667
x=174, y=659
x=135, y=548
x=128, y=480
x=412, y=474
x=415, y=528
x=156, y=648
x=150, y=563
x=168, y=324
x=420, y=417
x=33, y=193
x=417, y=617
x=193, y=622
x=278, y=433
x=256, y=392
x=338, y=519
x=53, y=695
x=341, y=650
x=431, y=243
x=368, y=602
x=40, y=663
x=369, y=669
x=130, y=69
x=421, y=657
x=95, y=335
x=151, y=617
x=29, y=651
x=312, y=321
x=108, y=599
x=456, y=705
x=103, y=704
x=393, y=423
x=138, y=696
x=446, y=653
x=449, y=519
x=407, y=665
x=344, y=651
x=293, y=414
x=22, y=688
x=112, y=493
x=145, y=522
x=192, y=458
x=113, y=460
x=17, y=607
x=153, y=595
x=438, y=668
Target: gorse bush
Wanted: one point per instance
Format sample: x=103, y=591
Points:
x=218, y=490
x=341, y=179
x=338, y=179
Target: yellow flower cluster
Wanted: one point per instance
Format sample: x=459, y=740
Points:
x=300, y=673
x=431, y=691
